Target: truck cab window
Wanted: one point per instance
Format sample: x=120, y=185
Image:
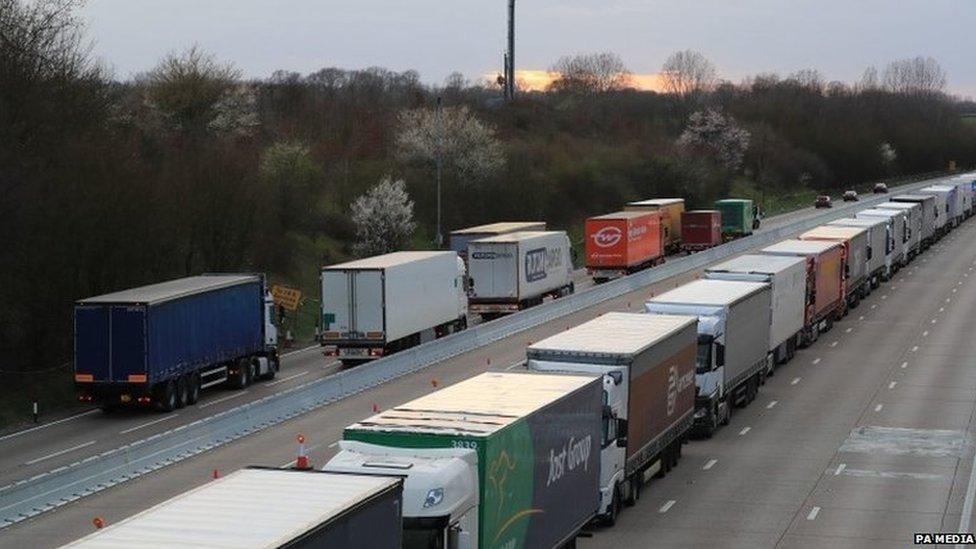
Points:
x=703, y=360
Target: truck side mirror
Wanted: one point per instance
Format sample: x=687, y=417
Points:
x=870, y=252
x=719, y=354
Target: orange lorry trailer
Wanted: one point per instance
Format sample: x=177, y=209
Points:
x=621, y=243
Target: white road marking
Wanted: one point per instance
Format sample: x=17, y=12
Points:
x=516, y=365
x=61, y=452
x=334, y=444
x=953, y=290
x=874, y=306
x=878, y=407
x=709, y=464
x=289, y=378
x=904, y=365
x=892, y=385
x=840, y=469
x=147, y=424
x=219, y=400
x=925, y=333
x=305, y=350
x=915, y=349
x=860, y=317
x=848, y=330
x=795, y=381
x=884, y=297
x=816, y=360
x=933, y=321
x=771, y=404
x=669, y=504
x=832, y=344
x=948, y=299
x=813, y=513
x=32, y=429
x=744, y=430
x=941, y=309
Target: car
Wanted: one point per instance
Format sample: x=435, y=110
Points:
x=823, y=201
x=880, y=188
x=850, y=196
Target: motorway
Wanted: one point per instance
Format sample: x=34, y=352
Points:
x=774, y=465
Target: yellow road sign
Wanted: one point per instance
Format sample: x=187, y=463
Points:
x=288, y=298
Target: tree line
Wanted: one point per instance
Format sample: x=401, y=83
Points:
x=190, y=167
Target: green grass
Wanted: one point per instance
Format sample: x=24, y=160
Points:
x=775, y=203
x=969, y=118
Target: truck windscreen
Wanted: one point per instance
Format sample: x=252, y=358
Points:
x=703, y=360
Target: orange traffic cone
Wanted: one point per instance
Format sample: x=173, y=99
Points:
x=98, y=523
x=216, y=474
x=301, y=462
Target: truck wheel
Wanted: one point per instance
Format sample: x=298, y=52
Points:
x=251, y=372
x=166, y=397
x=611, y=517
x=182, y=394
x=272, y=368
x=635, y=489
x=239, y=379
x=193, y=388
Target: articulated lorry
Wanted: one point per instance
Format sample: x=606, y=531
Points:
x=500, y=460
x=901, y=236
x=265, y=508
x=621, y=243
x=647, y=363
x=916, y=230
x=880, y=245
x=932, y=220
x=161, y=344
x=857, y=254
x=948, y=204
x=792, y=292
x=458, y=240
x=380, y=305
x=671, y=209
x=965, y=189
x=700, y=230
x=825, y=274
x=515, y=271
x=740, y=217
x=733, y=341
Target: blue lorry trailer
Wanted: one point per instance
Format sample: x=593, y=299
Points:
x=161, y=344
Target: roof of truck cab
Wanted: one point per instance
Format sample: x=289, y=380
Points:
x=857, y=222
x=388, y=260
x=172, y=289
x=657, y=202
x=247, y=508
x=615, y=333
x=624, y=215
x=710, y=292
x=516, y=236
x=755, y=263
x=477, y=406
x=500, y=227
x=880, y=212
x=802, y=246
x=897, y=205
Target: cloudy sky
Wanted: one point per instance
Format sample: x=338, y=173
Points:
x=742, y=37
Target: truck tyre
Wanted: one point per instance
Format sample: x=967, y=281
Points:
x=635, y=490
x=614, y=510
x=272, y=368
x=193, y=388
x=166, y=396
x=239, y=379
x=182, y=393
x=250, y=370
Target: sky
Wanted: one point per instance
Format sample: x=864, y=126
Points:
x=742, y=37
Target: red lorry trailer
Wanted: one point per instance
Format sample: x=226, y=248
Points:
x=621, y=243
x=826, y=262
x=700, y=230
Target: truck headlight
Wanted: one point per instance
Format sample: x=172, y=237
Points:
x=434, y=497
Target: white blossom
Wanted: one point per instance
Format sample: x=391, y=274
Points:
x=235, y=113
x=718, y=134
x=888, y=154
x=467, y=146
x=383, y=218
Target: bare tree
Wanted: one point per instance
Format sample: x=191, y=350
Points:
x=917, y=76
x=869, y=80
x=717, y=134
x=466, y=145
x=810, y=79
x=688, y=73
x=590, y=73
x=383, y=218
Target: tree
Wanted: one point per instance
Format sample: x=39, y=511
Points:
x=688, y=73
x=383, y=218
x=291, y=173
x=917, y=76
x=467, y=146
x=718, y=134
x=590, y=73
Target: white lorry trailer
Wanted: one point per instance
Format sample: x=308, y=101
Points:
x=514, y=271
x=901, y=236
x=496, y=461
x=262, y=508
x=459, y=238
x=791, y=293
x=916, y=230
x=880, y=245
x=948, y=204
x=733, y=341
x=647, y=363
x=932, y=220
x=379, y=305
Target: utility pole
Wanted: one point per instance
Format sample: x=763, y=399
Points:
x=510, y=56
x=439, y=165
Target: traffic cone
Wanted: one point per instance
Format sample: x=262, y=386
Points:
x=376, y=409
x=216, y=474
x=301, y=462
x=433, y=383
x=98, y=523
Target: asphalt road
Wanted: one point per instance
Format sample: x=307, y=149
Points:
x=54, y=445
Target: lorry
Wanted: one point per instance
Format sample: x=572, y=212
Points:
x=948, y=204
x=880, y=245
x=621, y=243
x=700, y=230
x=159, y=345
x=858, y=252
x=670, y=209
x=739, y=217
x=511, y=272
x=791, y=293
x=901, y=236
x=379, y=305
x=932, y=222
x=964, y=190
x=500, y=460
x=733, y=341
x=916, y=227
x=647, y=363
x=826, y=265
x=263, y=507
x=458, y=239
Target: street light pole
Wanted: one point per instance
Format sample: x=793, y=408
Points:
x=510, y=66
x=439, y=161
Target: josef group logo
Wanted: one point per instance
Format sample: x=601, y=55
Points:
x=607, y=237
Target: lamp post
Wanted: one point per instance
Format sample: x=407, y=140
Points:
x=439, y=164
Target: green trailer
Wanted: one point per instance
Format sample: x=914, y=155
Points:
x=499, y=460
x=739, y=217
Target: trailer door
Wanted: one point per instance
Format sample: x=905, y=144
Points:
x=366, y=297
x=128, y=331
x=92, y=342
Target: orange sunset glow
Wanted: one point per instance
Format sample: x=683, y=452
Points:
x=539, y=80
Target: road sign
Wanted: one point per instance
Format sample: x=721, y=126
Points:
x=286, y=297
